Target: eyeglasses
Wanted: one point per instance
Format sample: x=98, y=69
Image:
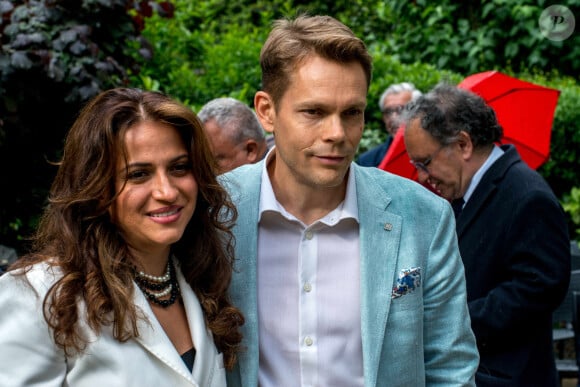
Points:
x=422, y=165
x=393, y=110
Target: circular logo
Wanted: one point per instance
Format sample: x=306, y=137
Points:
x=557, y=22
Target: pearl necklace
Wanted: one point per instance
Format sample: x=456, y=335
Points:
x=153, y=278
x=156, y=288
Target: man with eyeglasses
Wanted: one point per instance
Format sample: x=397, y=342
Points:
x=512, y=233
x=391, y=103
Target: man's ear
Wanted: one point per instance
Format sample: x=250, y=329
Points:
x=251, y=149
x=264, y=107
x=465, y=144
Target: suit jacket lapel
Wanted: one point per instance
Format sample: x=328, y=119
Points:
x=486, y=187
x=380, y=234
x=205, y=356
x=153, y=337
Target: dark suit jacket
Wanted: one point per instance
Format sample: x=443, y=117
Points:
x=514, y=242
x=374, y=156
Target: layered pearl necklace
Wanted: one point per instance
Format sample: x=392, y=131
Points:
x=156, y=289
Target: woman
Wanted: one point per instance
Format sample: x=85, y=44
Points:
x=127, y=282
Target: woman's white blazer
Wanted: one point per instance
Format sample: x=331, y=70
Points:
x=29, y=357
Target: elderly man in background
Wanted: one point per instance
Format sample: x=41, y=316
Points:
x=235, y=134
x=512, y=231
x=391, y=103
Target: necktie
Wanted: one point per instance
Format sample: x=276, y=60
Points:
x=457, y=206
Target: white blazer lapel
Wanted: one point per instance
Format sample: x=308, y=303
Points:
x=153, y=338
x=206, y=356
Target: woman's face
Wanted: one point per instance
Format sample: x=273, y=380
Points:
x=159, y=194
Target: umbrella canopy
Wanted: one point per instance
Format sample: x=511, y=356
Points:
x=397, y=160
x=524, y=110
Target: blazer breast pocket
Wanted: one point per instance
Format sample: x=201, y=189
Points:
x=406, y=292
x=408, y=302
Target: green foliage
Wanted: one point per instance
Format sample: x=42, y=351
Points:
x=561, y=170
x=235, y=58
x=194, y=64
x=479, y=35
x=571, y=204
x=386, y=71
x=55, y=56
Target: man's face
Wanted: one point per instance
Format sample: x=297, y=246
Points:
x=318, y=123
x=227, y=153
x=392, y=108
x=442, y=167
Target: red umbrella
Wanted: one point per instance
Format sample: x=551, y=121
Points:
x=397, y=160
x=524, y=110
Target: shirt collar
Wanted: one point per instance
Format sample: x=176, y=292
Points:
x=495, y=154
x=348, y=207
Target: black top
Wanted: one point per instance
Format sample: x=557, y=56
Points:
x=188, y=358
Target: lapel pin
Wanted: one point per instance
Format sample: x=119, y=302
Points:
x=388, y=226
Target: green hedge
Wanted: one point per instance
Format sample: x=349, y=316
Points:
x=197, y=66
x=211, y=49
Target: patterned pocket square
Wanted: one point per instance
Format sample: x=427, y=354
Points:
x=409, y=280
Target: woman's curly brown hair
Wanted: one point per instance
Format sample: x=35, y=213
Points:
x=76, y=234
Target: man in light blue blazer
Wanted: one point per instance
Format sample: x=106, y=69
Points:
x=346, y=275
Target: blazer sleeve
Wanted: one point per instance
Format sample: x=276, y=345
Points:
x=29, y=355
x=451, y=356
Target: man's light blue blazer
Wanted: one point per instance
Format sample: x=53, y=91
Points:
x=415, y=330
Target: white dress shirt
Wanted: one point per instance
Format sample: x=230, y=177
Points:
x=309, y=295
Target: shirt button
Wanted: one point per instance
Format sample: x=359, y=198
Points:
x=308, y=341
x=309, y=235
x=307, y=287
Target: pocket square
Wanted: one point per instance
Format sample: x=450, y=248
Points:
x=409, y=279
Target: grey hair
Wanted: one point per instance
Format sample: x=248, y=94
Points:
x=446, y=110
x=399, y=88
x=234, y=117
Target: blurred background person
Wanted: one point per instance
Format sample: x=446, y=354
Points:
x=391, y=103
x=235, y=134
x=127, y=282
x=513, y=235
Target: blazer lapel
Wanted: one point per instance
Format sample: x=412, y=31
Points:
x=486, y=187
x=153, y=338
x=205, y=356
x=380, y=235
x=475, y=203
